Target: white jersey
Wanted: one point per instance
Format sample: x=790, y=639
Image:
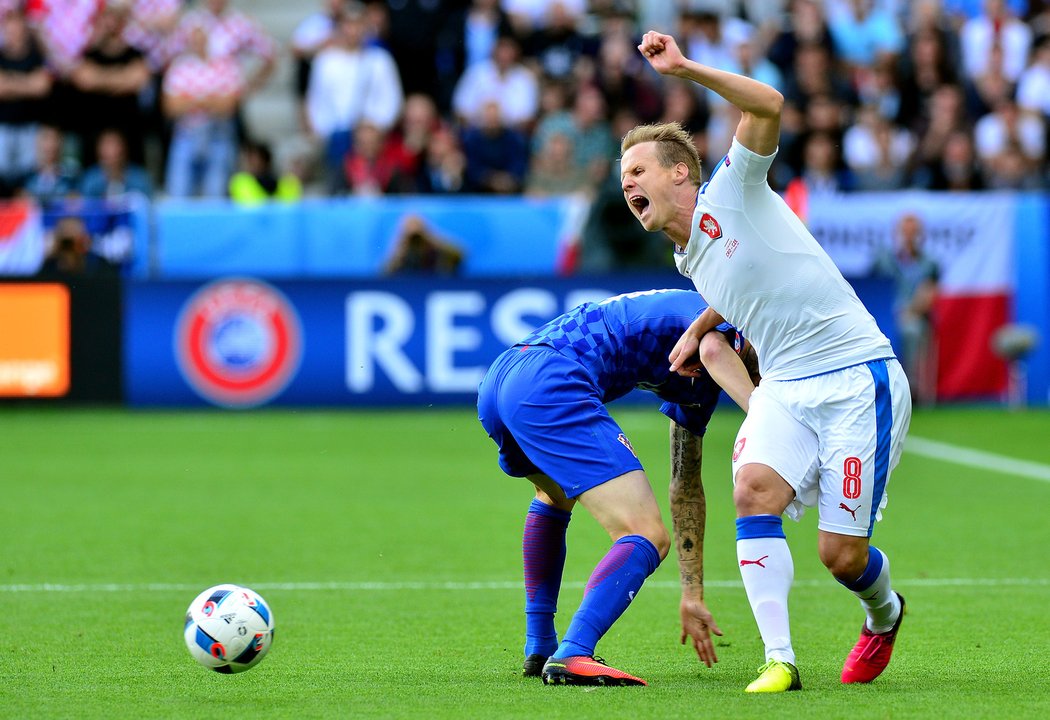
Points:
x=758, y=266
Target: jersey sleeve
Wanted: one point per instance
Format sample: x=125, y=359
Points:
x=733, y=173
x=693, y=418
x=748, y=167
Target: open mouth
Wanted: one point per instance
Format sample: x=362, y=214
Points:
x=639, y=203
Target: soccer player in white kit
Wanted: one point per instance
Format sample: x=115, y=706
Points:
x=827, y=423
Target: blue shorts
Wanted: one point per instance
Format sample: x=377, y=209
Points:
x=547, y=416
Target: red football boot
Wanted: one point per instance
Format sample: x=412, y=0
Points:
x=871, y=654
x=585, y=670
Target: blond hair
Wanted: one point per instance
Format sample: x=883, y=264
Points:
x=673, y=145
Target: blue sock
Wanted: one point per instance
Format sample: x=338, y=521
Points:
x=543, y=549
x=612, y=587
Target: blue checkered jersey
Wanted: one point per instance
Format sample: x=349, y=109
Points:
x=623, y=343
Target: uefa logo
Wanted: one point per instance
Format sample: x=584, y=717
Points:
x=238, y=342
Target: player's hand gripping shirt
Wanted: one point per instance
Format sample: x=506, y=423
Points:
x=759, y=267
x=623, y=343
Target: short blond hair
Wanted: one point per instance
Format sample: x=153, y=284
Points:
x=674, y=145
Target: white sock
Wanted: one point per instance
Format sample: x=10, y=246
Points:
x=768, y=571
x=881, y=604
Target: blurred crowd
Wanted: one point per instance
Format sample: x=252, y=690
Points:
x=104, y=97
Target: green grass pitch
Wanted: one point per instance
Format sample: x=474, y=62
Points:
x=388, y=545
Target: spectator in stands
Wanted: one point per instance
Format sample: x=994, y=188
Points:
x=374, y=166
x=231, y=34
x=312, y=35
x=822, y=170
x=877, y=152
x=70, y=254
x=557, y=47
x=996, y=29
x=587, y=132
x=53, y=177
x=467, y=38
x=502, y=80
x=879, y=89
x=956, y=168
x=410, y=140
x=420, y=250
x=497, y=154
x=1012, y=169
x=201, y=94
x=815, y=73
x=864, y=32
x=625, y=79
x=24, y=83
x=927, y=66
x=804, y=26
x=1008, y=131
x=945, y=116
x=108, y=81
x=553, y=170
x=114, y=176
x=256, y=182
x=444, y=166
x=916, y=276
x=349, y=84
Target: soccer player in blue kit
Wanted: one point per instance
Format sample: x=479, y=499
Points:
x=543, y=402
x=826, y=426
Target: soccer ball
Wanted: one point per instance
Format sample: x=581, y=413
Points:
x=229, y=628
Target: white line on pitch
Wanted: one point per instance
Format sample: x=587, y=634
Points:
x=469, y=586
x=977, y=458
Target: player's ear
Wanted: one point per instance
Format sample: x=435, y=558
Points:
x=680, y=173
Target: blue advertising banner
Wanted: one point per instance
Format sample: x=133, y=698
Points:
x=353, y=237
x=243, y=342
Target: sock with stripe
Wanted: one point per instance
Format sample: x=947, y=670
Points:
x=612, y=586
x=875, y=593
x=767, y=571
x=543, y=550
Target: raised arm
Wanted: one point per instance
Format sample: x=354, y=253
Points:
x=759, y=104
x=689, y=516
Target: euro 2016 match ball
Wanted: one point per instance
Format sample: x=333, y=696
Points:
x=229, y=628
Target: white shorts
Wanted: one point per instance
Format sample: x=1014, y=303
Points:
x=834, y=438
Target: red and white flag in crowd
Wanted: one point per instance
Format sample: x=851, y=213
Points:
x=21, y=238
x=971, y=237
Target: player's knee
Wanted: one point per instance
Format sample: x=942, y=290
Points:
x=760, y=491
x=846, y=561
x=657, y=534
x=662, y=541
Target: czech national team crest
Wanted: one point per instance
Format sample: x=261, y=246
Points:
x=710, y=226
x=238, y=342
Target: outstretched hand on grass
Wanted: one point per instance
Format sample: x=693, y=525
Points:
x=698, y=624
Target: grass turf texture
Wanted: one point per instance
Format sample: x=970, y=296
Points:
x=408, y=517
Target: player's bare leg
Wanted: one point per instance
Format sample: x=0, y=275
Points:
x=543, y=554
x=627, y=509
x=761, y=495
x=865, y=570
